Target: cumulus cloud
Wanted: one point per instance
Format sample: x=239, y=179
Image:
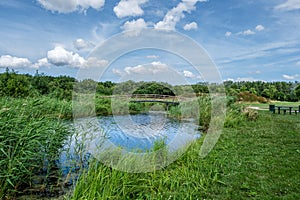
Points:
x=134, y=27
x=190, y=26
x=152, y=68
x=67, y=6
x=14, y=62
x=246, y=79
x=228, y=34
x=176, y=14
x=247, y=32
x=127, y=8
x=81, y=44
x=93, y=62
x=61, y=57
x=117, y=72
x=289, y=77
x=259, y=28
x=154, y=71
x=41, y=63
x=289, y=5
x=188, y=74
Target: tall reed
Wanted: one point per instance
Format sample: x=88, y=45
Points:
x=31, y=136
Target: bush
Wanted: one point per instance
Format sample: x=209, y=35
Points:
x=249, y=97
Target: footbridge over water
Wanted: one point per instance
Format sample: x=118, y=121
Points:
x=152, y=98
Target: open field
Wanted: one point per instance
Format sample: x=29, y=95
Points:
x=266, y=105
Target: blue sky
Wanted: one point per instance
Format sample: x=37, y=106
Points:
x=246, y=39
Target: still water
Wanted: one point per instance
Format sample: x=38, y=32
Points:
x=136, y=132
x=131, y=133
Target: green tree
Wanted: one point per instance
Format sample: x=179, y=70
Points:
x=297, y=92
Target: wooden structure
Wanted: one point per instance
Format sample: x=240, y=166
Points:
x=155, y=98
x=284, y=109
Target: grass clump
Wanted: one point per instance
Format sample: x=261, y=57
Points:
x=30, y=141
x=186, y=178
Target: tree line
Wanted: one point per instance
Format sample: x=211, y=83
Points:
x=13, y=84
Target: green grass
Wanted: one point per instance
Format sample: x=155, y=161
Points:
x=31, y=135
x=277, y=103
x=257, y=159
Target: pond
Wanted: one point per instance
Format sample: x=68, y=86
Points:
x=132, y=133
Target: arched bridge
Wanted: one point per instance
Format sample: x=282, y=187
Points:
x=166, y=99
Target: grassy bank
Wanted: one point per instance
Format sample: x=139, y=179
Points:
x=256, y=158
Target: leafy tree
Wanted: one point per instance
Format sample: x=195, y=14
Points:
x=297, y=92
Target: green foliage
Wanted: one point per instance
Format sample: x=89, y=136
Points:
x=282, y=91
x=20, y=85
x=131, y=87
x=14, y=85
x=30, y=141
x=297, y=92
x=250, y=97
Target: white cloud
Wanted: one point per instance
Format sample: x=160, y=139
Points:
x=289, y=77
x=246, y=79
x=93, y=62
x=247, y=32
x=14, y=62
x=134, y=27
x=190, y=26
x=259, y=28
x=228, y=34
x=80, y=44
x=288, y=5
x=41, y=63
x=152, y=68
x=188, y=74
x=61, y=57
x=67, y=6
x=176, y=14
x=298, y=63
x=117, y=72
x=127, y=8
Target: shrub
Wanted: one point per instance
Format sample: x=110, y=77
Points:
x=249, y=97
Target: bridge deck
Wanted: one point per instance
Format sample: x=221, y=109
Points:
x=155, y=101
x=166, y=99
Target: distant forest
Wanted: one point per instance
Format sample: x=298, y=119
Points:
x=17, y=85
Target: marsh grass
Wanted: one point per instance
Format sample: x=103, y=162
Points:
x=31, y=135
x=183, y=179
